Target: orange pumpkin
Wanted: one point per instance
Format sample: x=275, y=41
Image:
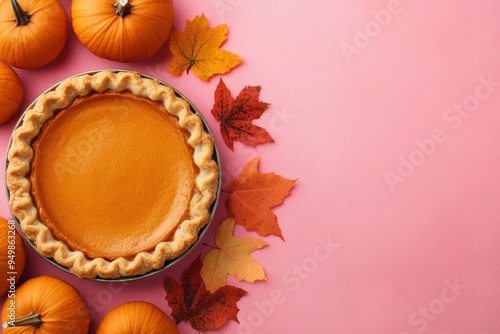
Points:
x=122, y=30
x=137, y=318
x=11, y=92
x=32, y=32
x=45, y=305
x=12, y=257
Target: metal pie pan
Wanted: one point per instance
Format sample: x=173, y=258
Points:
x=168, y=263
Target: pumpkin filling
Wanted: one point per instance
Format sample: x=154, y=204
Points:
x=112, y=175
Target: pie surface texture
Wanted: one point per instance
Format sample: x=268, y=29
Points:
x=111, y=174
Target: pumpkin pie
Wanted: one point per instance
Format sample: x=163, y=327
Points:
x=111, y=174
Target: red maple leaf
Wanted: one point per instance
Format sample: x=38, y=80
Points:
x=190, y=300
x=236, y=116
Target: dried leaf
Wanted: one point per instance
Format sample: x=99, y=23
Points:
x=252, y=195
x=236, y=116
x=232, y=256
x=190, y=300
x=197, y=49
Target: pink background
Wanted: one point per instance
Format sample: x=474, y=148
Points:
x=354, y=101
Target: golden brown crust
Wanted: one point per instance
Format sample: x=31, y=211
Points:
x=21, y=153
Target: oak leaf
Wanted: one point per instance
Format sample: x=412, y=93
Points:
x=253, y=194
x=197, y=49
x=231, y=256
x=236, y=115
x=190, y=301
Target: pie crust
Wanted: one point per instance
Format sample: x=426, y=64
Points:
x=21, y=177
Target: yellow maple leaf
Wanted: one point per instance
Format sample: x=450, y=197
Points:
x=197, y=49
x=232, y=256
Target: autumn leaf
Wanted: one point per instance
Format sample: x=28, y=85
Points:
x=197, y=49
x=236, y=116
x=231, y=256
x=251, y=197
x=190, y=300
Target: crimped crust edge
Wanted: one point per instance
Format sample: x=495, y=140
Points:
x=20, y=155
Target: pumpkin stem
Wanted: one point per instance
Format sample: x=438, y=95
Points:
x=32, y=319
x=21, y=16
x=122, y=8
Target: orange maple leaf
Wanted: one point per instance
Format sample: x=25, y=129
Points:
x=197, y=49
x=253, y=194
x=232, y=256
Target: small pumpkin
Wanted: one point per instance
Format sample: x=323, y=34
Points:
x=45, y=305
x=32, y=32
x=11, y=92
x=12, y=256
x=122, y=30
x=137, y=317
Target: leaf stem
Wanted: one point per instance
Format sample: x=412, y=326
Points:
x=191, y=63
x=211, y=246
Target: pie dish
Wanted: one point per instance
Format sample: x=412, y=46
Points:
x=111, y=174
